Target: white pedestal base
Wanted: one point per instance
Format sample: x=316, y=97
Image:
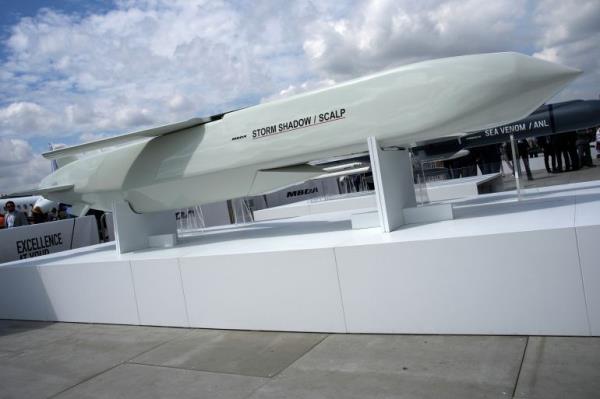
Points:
x=394, y=187
x=424, y=214
x=135, y=231
x=365, y=220
x=428, y=213
x=162, y=241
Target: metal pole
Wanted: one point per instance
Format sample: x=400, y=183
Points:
x=515, y=157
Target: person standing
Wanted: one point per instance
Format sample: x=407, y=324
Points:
x=571, y=142
x=14, y=218
x=544, y=142
x=52, y=215
x=38, y=215
x=523, y=150
x=598, y=142
x=557, y=157
x=583, y=147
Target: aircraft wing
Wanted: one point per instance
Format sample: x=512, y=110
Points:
x=126, y=138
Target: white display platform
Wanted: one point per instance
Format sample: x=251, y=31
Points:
x=344, y=202
x=443, y=190
x=500, y=267
x=436, y=191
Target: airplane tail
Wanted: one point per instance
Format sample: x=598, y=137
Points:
x=59, y=162
x=53, y=163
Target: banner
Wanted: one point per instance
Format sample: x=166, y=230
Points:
x=45, y=238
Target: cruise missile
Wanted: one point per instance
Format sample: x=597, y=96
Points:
x=260, y=148
x=548, y=119
x=563, y=117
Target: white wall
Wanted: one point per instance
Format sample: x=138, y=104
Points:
x=531, y=282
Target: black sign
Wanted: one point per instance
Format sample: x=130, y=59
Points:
x=36, y=246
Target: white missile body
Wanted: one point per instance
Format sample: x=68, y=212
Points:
x=261, y=148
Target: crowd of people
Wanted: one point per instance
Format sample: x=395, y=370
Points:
x=572, y=148
x=562, y=152
x=14, y=215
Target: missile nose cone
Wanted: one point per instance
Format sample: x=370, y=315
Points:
x=566, y=72
x=514, y=85
x=572, y=71
x=538, y=80
x=545, y=72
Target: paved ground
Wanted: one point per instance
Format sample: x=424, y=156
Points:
x=67, y=360
x=541, y=178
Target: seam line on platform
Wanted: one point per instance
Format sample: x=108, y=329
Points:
x=135, y=298
x=185, y=302
x=337, y=271
x=585, y=301
x=49, y=312
x=520, y=367
x=72, y=233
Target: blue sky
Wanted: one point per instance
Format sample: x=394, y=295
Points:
x=14, y=10
x=74, y=71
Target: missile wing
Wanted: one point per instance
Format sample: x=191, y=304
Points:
x=127, y=138
x=260, y=148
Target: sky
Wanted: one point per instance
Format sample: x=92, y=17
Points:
x=79, y=70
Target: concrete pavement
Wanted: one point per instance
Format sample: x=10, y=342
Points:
x=541, y=178
x=67, y=360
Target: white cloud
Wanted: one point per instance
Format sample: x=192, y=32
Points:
x=87, y=137
x=383, y=33
x=145, y=63
x=292, y=90
x=15, y=151
x=26, y=118
x=569, y=34
x=21, y=168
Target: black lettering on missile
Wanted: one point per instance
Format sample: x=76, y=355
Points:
x=298, y=193
x=299, y=123
x=516, y=128
x=239, y=137
x=294, y=124
x=333, y=115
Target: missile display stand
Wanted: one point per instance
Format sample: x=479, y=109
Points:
x=135, y=231
x=395, y=193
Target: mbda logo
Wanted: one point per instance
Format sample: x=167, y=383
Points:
x=298, y=193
